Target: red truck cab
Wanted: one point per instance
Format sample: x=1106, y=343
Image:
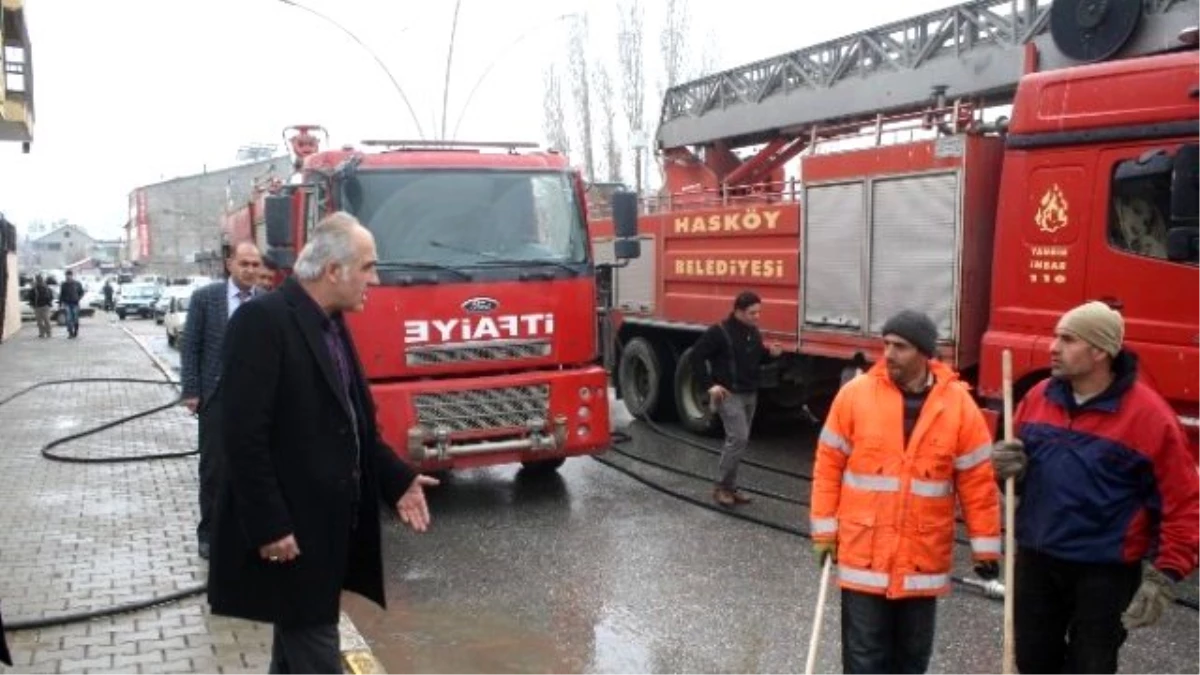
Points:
x=480, y=342
x=1098, y=201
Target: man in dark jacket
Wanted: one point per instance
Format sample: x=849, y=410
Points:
x=726, y=360
x=108, y=296
x=42, y=300
x=304, y=467
x=200, y=365
x=1110, y=497
x=70, y=293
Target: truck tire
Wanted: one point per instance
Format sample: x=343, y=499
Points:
x=171, y=340
x=691, y=403
x=644, y=380
x=538, y=467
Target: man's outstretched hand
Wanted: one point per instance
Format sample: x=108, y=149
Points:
x=411, y=508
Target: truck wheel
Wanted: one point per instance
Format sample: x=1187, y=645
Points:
x=642, y=376
x=691, y=401
x=171, y=339
x=542, y=466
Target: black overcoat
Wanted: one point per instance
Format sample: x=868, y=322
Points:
x=288, y=467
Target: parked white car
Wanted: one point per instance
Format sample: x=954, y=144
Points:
x=175, y=316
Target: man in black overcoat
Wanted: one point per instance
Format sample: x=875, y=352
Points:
x=305, y=469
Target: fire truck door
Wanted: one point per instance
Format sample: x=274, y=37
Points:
x=1128, y=264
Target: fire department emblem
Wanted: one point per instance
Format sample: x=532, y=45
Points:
x=1052, y=211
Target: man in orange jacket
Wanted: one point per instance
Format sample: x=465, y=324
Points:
x=900, y=443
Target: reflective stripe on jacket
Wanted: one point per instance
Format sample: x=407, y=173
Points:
x=891, y=507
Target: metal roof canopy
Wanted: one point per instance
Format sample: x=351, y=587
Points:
x=975, y=50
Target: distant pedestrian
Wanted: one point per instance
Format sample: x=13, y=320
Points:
x=108, y=296
x=70, y=294
x=902, y=443
x=305, y=469
x=42, y=300
x=1106, y=525
x=200, y=363
x=726, y=359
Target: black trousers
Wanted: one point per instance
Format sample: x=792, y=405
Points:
x=210, y=456
x=1067, y=615
x=886, y=636
x=306, y=649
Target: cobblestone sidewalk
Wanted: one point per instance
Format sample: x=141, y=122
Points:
x=83, y=537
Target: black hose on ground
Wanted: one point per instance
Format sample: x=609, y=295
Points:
x=65, y=619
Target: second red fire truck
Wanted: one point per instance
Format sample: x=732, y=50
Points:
x=907, y=197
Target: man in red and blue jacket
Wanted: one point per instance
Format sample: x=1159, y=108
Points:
x=1109, y=501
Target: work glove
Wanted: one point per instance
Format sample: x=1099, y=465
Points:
x=1009, y=459
x=987, y=569
x=1152, y=598
x=825, y=548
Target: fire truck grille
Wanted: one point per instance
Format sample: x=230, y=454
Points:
x=493, y=350
x=483, y=409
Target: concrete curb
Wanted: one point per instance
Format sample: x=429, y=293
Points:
x=164, y=367
x=357, y=657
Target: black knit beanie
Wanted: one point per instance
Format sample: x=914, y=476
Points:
x=915, y=327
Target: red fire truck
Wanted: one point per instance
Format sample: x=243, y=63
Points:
x=908, y=196
x=480, y=343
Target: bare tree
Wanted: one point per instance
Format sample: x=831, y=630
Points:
x=673, y=47
x=608, y=130
x=554, y=113
x=581, y=91
x=631, y=22
x=672, y=42
x=709, y=59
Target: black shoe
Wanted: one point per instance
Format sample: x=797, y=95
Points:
x=203, y=548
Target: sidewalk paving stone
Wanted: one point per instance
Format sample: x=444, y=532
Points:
x=83, y=537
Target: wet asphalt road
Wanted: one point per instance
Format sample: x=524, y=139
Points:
x=591, y=571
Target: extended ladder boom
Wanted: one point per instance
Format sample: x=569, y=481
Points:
x=975, y=50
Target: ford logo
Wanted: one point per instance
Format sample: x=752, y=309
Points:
x=480, y=305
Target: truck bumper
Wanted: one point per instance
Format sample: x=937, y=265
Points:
x=479, y=421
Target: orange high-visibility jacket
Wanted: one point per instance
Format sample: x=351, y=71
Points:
x=891, y=507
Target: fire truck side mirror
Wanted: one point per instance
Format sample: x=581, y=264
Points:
x=625, y=214
x=627, y=249
x=277, y=212
x=1185, y=186
x=1183, y=244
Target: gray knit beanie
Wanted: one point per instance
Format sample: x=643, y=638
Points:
x=916, y=328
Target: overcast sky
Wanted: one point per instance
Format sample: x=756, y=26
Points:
x=129, y=92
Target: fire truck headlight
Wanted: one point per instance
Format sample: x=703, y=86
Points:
x=585, y=394
x=584, y=413
x=583, y=431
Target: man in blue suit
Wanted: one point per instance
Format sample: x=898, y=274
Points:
x=200, y=357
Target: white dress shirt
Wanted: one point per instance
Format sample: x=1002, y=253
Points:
x=231, y=292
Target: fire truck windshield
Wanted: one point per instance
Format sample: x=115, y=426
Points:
x=457, y=218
